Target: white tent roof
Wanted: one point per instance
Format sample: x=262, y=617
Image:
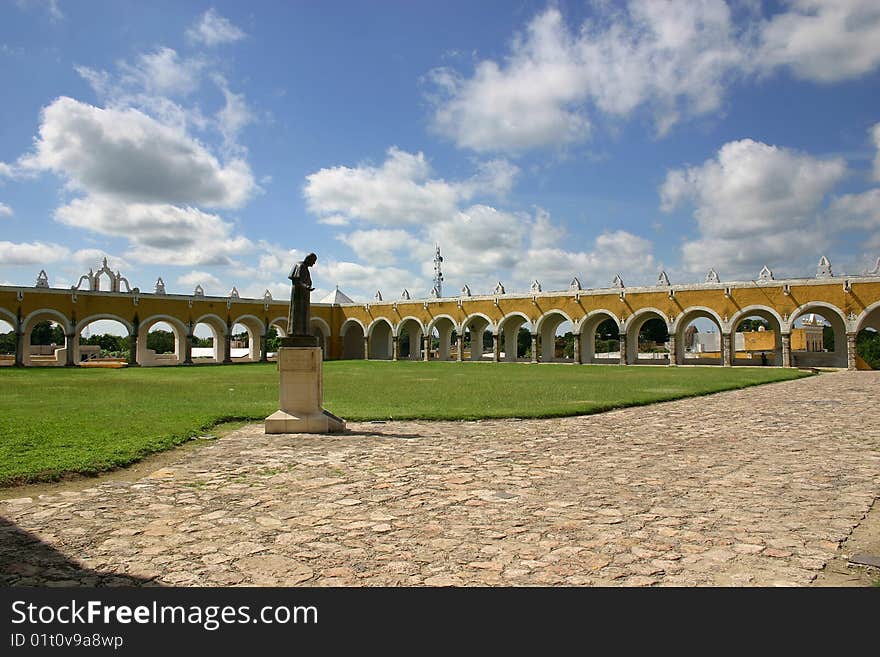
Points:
x=336, y=296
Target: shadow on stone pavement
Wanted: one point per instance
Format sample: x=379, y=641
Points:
x=25, y=560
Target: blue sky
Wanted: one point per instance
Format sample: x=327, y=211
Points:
x=216, y=143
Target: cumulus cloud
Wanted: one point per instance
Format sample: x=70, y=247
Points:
x=754, y=204
x=823, y=40
x=133, y=157
x=377, y=245
x=157, y=232
x=213, y=29
x=875, y=134
x=233, y=116
x=673, y=56
x=159, y=72
x=32, y=253
x=400, y=191
x=361, y=281
x=5, y=210
x=202, y=278
x=6, y=171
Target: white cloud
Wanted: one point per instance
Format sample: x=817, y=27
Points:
x=235, y=115
x=823, y=40
x=160, y=72
x=31, y=253
x=361, y=281
x=875, y=133
x=93, y=258
x=213, y=29
x=202, y=278
x=5, y=210
x=400, y=191
x=127, y=154
x=157, y=232
x=672, y=56
x=377, y=245
x=335, y=220
x=754, y=204
x=6, y=171
x=856, y=211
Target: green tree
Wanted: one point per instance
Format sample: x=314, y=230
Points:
x=753, y=324
x=7, y=343
x=654, y=330
x=828, y=338
x=868, y=347
x=47, y=333
x=162, y=342
x=273, y=342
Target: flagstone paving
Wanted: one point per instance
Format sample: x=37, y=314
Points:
x=752, y=487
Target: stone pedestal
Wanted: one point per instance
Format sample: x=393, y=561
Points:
x=302, y=394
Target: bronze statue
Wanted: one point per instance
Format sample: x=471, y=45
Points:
x=299, y=319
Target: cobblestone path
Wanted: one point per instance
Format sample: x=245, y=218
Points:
x=752, y=487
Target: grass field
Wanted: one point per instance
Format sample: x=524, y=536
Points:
x=55, y=421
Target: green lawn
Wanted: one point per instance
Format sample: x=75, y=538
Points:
x=55, y=421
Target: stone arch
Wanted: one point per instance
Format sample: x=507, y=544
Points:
x=587, y=335
x=546, y=327
x=747, y=348
x=380, y=334
x=679, y=328
x=634, y=324
x=280, y=324
x=255, y=330
x=81, y=324
x=477, y=324
x=59, y=356
x=218, y=329
x=321, y=330
x=352, y=332
x=414, y=330
x=9, y=317
x=835, y=317
x=148, y=357
x=444, y=325
x=510, y=325
x=864, y=320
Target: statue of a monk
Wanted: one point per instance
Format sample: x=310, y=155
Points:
x=299, y=319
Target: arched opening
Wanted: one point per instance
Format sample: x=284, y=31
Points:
x=647, y=337
x=757, y=338
x=600, y=339
x=100, y=286
x=209, y=340
x=868, y=340
x=45, y=339
x=7, y=342
x=102, y=339
x=698, y=338
x=409, y=340
x=818, y=338
x=244, y=342
x=516, y=338
x=442, y=330
x=161, y=341
x=321, y=330
x=477, y=338
x=352, y=340
x=556, y=334
x=380, y=340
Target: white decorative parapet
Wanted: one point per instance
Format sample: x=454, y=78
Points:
x=499, y=289
x=712, y=276
x=824, y=268
x=160, y=286
x=378, y=296
x=536, y=286
x=617, y=282
x=663, y=279
x=199, y=291
x=42, y=279
x=465, y=291
x=575, y=285
x=765, y=274
x=405, y=294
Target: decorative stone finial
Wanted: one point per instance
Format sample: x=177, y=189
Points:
x=663, y=279
x=199, y=291
x=465, y=291
x=435, y=293
x=499, y=289
x=267, y=296
x=378, y=296
x=876, y=270
x=405, y=294
x=765, y=274
x=575, y=284
x=712, y=276
x=617, y=282
x=824, y=268
x=233, y=293
x=42, y=279
x=160, y=286
x=536, y=286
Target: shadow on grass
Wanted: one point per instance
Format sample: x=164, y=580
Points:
x=25, y=560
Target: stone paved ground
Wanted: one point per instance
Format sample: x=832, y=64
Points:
x=752, y=487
